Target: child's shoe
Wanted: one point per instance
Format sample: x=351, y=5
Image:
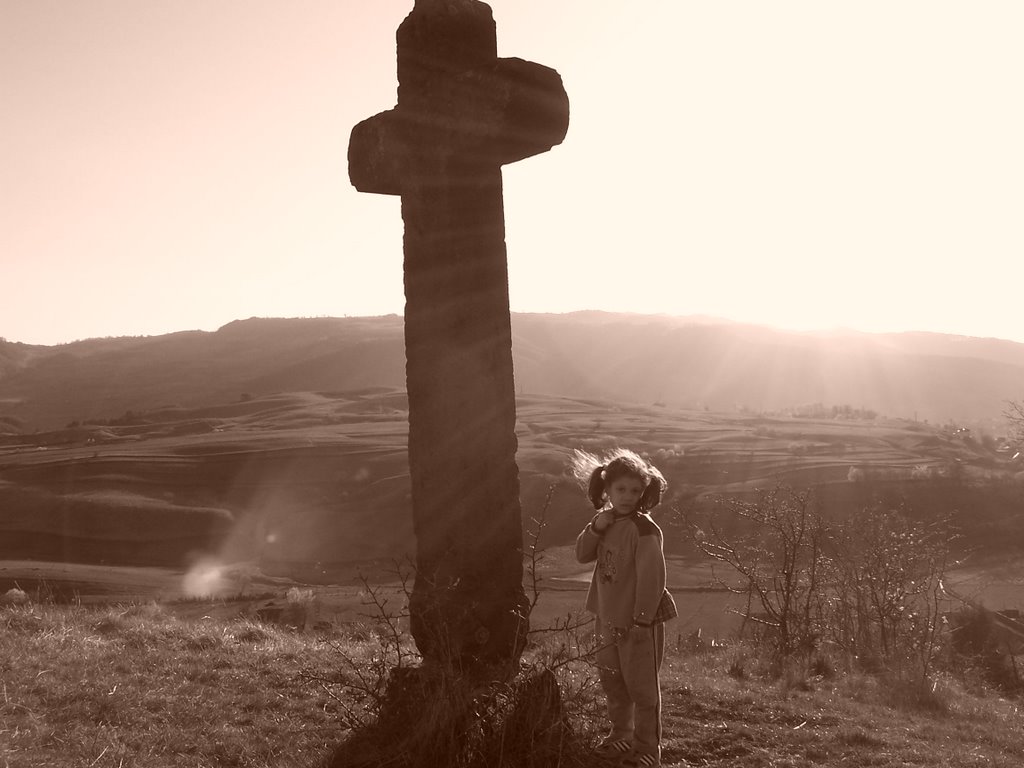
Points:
x=637, y=759
x=613, y=748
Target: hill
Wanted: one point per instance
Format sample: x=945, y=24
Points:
x=284, y=441
x=305, y=481
x=694, y=363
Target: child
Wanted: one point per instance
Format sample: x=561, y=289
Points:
x=628, y=596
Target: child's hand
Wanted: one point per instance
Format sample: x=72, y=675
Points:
x=603, y=521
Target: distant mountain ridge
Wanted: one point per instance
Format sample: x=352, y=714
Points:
x=679, y=361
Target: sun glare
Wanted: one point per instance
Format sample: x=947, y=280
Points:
x=204, y=579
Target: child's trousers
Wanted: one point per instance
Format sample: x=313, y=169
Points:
x=628, y=664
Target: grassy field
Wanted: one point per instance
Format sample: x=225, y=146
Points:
x=243, y=591
x=137, y=687
x=248, y=500
x=140, y=685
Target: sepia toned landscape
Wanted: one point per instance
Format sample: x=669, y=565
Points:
x=213, y=478
x=350, y=541
x=167, y=451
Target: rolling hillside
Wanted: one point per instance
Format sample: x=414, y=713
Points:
x=675, y=361
x=284, y=441
x=302, y=480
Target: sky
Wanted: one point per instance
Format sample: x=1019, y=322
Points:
x=171, y=165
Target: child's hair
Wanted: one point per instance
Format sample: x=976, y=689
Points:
x=596, y=474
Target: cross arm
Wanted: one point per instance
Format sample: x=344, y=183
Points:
x=516, y=108
x=375, y=152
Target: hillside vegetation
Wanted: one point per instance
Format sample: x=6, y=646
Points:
x=676, y=361
x=283, y=442
x=270, y=456
x=302, y=479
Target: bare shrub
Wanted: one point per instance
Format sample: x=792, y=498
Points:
x=978, y=643
x=885, y=574
x=778, y=550
x=1014, y=414
x=869, y=587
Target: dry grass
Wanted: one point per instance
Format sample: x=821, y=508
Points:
x=714, y=718
x=135, y=686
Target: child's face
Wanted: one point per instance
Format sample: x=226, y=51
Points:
x=624, y=494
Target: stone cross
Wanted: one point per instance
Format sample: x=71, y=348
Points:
x=462, y=113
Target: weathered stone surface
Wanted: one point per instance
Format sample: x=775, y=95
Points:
x=462, y=113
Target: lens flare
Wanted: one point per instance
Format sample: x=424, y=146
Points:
x=204, y=579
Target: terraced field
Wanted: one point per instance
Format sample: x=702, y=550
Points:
x=310, y=486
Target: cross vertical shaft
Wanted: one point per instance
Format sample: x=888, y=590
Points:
x=462, y=113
